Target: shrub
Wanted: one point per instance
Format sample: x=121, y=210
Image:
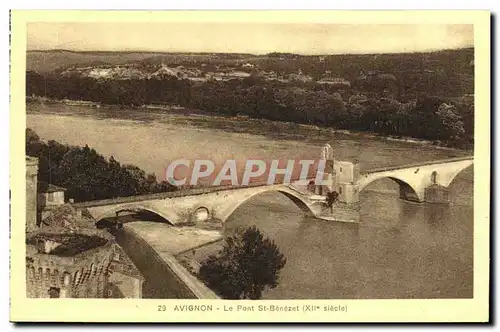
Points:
x=244, y=267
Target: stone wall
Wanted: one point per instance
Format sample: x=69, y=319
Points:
x=80, y=276
x=437, y=194
x=31, y=193
x=123, y=286
x=161, y=279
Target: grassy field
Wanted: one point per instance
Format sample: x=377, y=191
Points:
x=46, y=61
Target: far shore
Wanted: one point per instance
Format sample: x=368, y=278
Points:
x=180, y=110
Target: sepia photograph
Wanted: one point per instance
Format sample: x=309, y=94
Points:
x=234, y=160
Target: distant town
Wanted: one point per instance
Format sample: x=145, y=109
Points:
x=205, y=73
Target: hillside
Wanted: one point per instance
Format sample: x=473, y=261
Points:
x=47, y=61
x=423, y=95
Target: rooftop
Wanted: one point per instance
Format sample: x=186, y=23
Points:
x=65, y=245
x=49, y=187
x=65, y=219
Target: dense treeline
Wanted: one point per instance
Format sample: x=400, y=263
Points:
x=86, y=174
x=423, y=117
x=426, y=117
x=123, y=92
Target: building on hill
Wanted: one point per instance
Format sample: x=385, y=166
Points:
x=239, y=74
x=99, y=73
x=300, y=77
x=49, y=195
x=163, y=71
x=335, y=81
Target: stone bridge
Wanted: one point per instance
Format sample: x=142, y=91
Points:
x=422, y=182
x=188, y=206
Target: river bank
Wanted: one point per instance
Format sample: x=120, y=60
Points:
x=280, y=127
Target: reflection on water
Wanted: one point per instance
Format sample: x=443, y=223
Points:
x=399, y=250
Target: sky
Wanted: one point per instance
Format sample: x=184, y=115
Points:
x=256, y=38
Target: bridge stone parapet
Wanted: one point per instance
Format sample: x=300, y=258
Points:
x=165, y=274
x=437, y=194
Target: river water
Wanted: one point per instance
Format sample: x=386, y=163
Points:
x=399, y=249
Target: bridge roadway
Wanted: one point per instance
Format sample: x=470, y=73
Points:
x=425, y=163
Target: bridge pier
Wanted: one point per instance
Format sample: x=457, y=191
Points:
x=344, y=212
x=347, y=206
x=437, y=194
x=434, y=194
x=424, y=182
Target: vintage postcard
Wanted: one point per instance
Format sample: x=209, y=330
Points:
x=250, y=166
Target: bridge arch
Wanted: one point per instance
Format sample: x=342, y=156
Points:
x=169, y=216
x=295, y=197
x=448, y=178
x=407, y=191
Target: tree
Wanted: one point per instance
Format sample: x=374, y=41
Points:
x=452, y=124
x=331, y=198
x=244, y=267
x=86, y=174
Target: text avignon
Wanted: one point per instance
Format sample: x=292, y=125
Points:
x=201, y=307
